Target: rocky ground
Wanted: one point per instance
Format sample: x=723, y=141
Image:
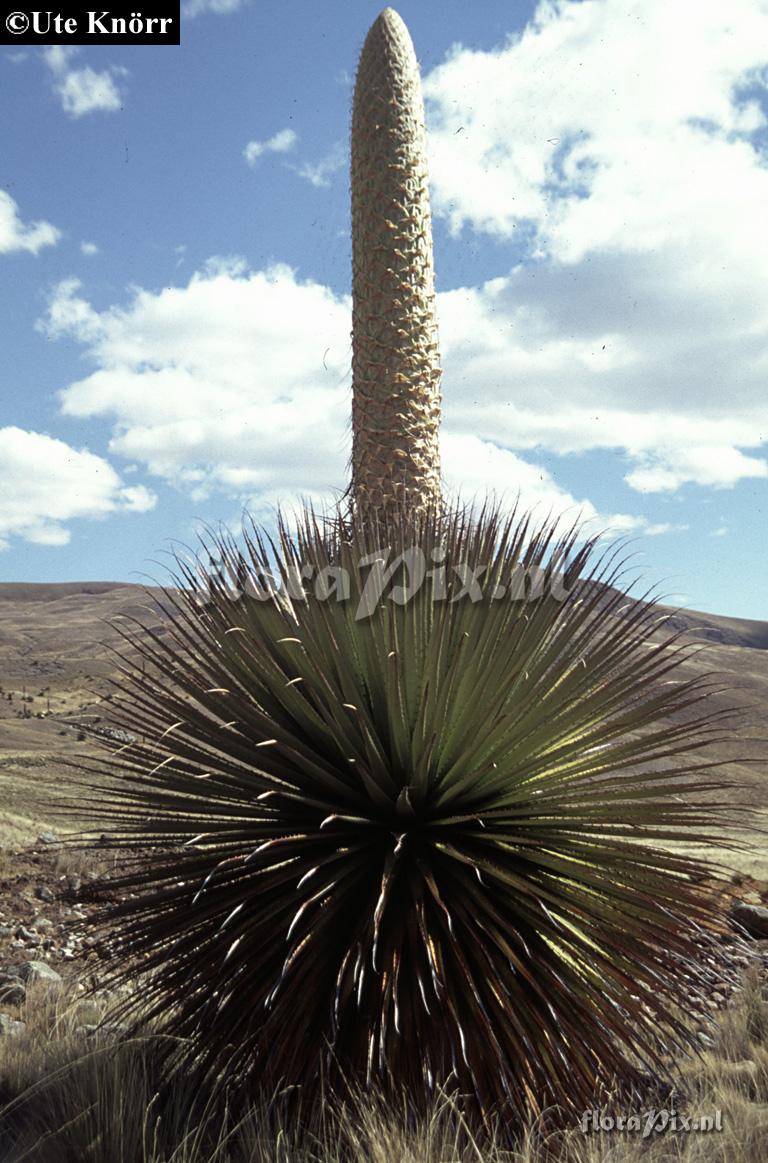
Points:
x=46, y=899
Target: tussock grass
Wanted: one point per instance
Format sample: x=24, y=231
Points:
x=67, y=1096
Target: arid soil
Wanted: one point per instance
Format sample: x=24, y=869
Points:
x=56, y=663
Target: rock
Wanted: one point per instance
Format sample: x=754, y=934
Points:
x=48, y=838
x=74, y=883
x=10, y=1026
x=43, y=893
x=27, y=936
x=39, y=972
x=752, y=918
x=5, y=930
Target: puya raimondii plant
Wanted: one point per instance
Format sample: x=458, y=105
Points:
x=431, y=840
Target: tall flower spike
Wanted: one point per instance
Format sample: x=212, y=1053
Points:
x=395, y=356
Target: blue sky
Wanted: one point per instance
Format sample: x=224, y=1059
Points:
x=174, y=278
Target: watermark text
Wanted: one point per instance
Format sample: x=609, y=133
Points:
x=650, y=1122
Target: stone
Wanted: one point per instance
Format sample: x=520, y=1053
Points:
x=10, y=1026
x=48, y=838
x=27, y=936
x=752, y=918
x=43, y=893
x=40, y=973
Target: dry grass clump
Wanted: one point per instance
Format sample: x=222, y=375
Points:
x=69, y=1094
x=86, y=861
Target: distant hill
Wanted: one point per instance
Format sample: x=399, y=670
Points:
x=53, y=591
x=726, y=631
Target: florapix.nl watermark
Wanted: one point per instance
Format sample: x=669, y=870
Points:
x=650, y=1122
x=380, y=576
x=156, y=22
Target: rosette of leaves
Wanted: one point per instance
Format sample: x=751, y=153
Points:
x=410, y=806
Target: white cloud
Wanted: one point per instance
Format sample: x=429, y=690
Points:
x=191, y=8
x=320, y=173
x=716, y=466
x=281, y=142
x=238, y=383
x=16, y=235
x=82, y=91
x=593, y=106
x=89, y=248
x=47, y=484
x=535, y=360
x=473, y=468
x=619, y=148
x=136, y=499
x=68, y=313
